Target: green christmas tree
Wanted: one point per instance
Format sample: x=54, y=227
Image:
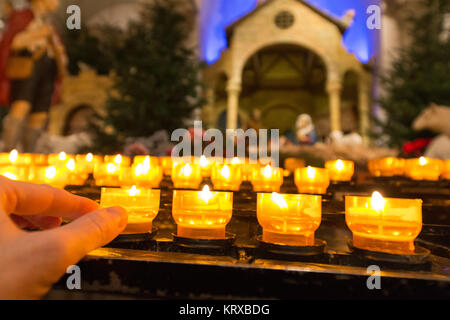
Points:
x=420, y=75
x=156, y=78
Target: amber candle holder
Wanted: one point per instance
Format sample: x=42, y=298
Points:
x=226, y=177
x=141, y=175
x=15, y=158
x=16, y=173
x=386, y=167
x=141, y=204
x=289, y=219
x=87, y=162
x=267, y=179
x=340, y=170
x=118, y=159
x=202, y=214
x=76, y=175
x=384, y=224
x=107, y=174
x=312, y=180
x=52, y=175
x=205, y=164
x=59, y=159
x=186, y=175
x=446, y=170
x=147, y=161
x=424, y=168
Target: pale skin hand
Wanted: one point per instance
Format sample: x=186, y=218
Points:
x=30, y=262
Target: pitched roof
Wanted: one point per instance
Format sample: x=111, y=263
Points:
x=341, y=26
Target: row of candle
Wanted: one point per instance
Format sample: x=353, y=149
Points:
x=422, y=168
x=378, y=224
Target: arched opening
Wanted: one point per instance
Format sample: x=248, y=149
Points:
x=77, y=120
x=284, y=81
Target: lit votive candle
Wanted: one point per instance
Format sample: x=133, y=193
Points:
x=340, y=170
x=446, y=171
x=205, y=165
x=52, y=175
x=202, y=214
x=16, y=173
x=59, y=160
x=141, y=204
x=386, y=167
x=424, y=168
x=87, y=162
x=146, y=160
x=118, y=159
x=267, y=179
x=142, y=174
x=289, y=219
x=312, y=180
x=107, y=174
x=15, y=158
x=384, y=224
x=226, y=177
x=76, y=176
x=186, y=175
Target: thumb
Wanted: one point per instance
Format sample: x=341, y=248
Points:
x=90, y=231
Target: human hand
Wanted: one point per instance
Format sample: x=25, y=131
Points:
x=30, y=262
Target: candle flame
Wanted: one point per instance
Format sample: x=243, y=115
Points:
x=339, y=165
x=111, y=168
x=422, y=161
x=377, y=202
x=267, y=172
x=70, y=165
x=206, y=194
x=62, y=156
x=50, y=172
x=140, y=170
x=118, y=159
x=225, y=172
x=133, y=191
x=311, y=173
x=186, y=170
x=203, y=162
x=279, y=200
x=89, y=157
x=235, y=160
x=10, y=175
x=146, y=163
x=13, y=155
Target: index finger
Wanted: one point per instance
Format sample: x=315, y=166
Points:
x=31, y=199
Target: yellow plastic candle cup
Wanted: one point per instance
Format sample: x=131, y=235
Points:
x=226, y=177
x=312, y=180
x=59, y=159
x=384, y=224
x=289, y=219
x=141, y=204
x=206, y=165
x=386, y=167
x=424, y=168
x=146, y=160
x=118, y=160
x=340, y=170
x=86, y=162
x=202, y=214
x=107, y=174
x=15, y=158
x=446, y=170
x=142, y=176
x=16, y=173
x=186, y=175
x=52, y=175
x=267, y=179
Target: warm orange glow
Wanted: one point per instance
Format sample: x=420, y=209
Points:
x=62, y=156
x=225, y=172
x=111, y=168
x=279, y=200
x=10, y=175
x=205, y=194
x=70, y=165
x=118, y=159
x=267, y=172
x=186, y=170
x=311, y=173
x=203, y=162
x=186, y=175
x=89, y=157
x=377, y=202
x=339, y=165
x=13, y=155
x=312, y=180
x=50, y=173
x=266, y=179
x=235, y=160
x=424, y=168
x=422, y=161
x=133, y=191
x=340, y=170
x=386, y=167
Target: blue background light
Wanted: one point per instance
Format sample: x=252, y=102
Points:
x=216, y=15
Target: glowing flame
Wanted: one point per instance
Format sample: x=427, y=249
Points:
x=133, y=191
x=118, y=159
x=225, y=172
x=339, y=165
x=111, y=168
x=203, y=162
x=279, y=200
x=71, y=165
x=62, y=156
x=186, y=170
x=311, y=173
x=13, y=155
x=235, y=160
x=205, y=194
x=89, y=157
x=141, y=169
x=422, y=161
x=377, y=202
x=50, y=172
x=10, y=175
x=267, y=172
